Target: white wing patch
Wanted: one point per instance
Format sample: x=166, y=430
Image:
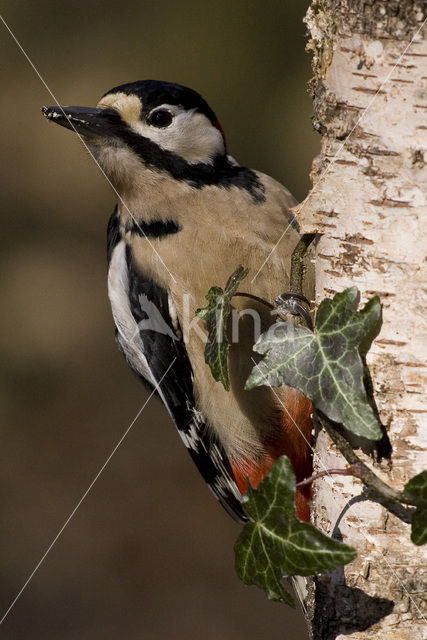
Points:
x=127, y=327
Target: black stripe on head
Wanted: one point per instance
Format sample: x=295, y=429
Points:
x=153, y=93
x=220, y=171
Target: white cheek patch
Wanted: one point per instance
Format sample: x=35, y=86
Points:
x=191, y=135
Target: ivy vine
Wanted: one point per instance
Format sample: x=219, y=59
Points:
x=326, y=363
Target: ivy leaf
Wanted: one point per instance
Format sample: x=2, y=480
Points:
x=277, y=544
x=216, y=316
x=416, y=489
x=325, y=365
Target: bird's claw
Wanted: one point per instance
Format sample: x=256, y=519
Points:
x=290, y=302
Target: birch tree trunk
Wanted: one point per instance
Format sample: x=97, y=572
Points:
x=368, y=201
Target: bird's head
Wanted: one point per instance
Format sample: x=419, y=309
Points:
x=159, y=126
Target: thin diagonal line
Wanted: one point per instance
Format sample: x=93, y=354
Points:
x=30, y=62
x=58, y=535
x=362, y=524
x=336, y=155
x=273, y=250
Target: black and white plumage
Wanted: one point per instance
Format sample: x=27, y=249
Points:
x=187, y=215
x=158, y=355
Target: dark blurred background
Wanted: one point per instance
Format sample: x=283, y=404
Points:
x=149, y=554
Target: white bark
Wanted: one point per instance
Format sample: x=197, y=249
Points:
x=369, y=201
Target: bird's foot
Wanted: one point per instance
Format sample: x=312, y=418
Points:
x=290, y=302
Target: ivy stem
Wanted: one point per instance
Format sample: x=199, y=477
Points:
x=297, y=261
x=300, y=310
x=253, y=297
x=346, y=471
x=297, y=271
x=358, y=468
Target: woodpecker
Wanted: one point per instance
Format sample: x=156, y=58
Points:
x=187, y=215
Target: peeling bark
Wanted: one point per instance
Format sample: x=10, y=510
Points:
x=369, y=201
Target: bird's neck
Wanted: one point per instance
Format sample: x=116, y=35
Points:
x=152, y=196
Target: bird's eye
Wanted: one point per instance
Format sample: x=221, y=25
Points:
x=160, y=118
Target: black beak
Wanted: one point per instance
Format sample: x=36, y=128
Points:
x=84, y=120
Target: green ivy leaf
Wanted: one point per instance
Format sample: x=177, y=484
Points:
x=216, y=316
x=325, y=365
x=277, y=544
x=416, y=489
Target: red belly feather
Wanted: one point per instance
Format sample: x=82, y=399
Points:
x=293, y=438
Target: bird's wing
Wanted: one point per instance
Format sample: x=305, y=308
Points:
x=149, y=336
